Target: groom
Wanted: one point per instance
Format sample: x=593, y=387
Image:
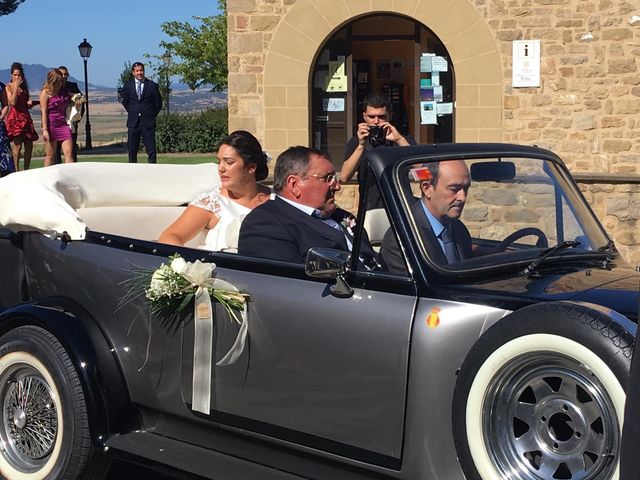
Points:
x=303, y=214
x=142, y=101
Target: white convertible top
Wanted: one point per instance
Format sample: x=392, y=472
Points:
x=46, y=199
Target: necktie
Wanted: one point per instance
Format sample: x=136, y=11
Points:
x=336, y=226
x=450, y=250
x=139, y=90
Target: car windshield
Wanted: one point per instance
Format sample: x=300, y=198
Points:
x=487, y=211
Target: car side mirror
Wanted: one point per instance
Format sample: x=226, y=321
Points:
x=330, y=263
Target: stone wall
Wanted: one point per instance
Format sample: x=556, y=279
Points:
x=587, y=109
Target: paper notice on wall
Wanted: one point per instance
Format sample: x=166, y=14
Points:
x=397, y=70
x=337, y=78
x=439, y=64
x=425, y=63
x=526, y=63
x=435, y=78
x=428, y=113
x=445, y=108
x=426, y=94
x=437, y=93
x=337, y=84
x=333, y=104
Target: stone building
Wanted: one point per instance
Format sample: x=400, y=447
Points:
x=298, y=68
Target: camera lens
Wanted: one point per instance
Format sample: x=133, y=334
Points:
x=376, y=135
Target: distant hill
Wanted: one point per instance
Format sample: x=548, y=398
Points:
x=182, y=99
x=36, y=76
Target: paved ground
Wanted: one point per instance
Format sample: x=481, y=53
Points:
x=125, y=471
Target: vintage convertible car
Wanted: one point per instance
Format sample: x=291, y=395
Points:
x=509, y=364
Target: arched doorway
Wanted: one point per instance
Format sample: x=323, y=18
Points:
x=382, y=52
x=278, y=104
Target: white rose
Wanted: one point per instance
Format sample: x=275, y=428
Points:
x=178, y=265
x=156, y=280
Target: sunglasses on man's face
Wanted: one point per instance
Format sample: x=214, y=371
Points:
x=329, y=178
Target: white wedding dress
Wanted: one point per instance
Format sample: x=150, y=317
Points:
x=224, y=236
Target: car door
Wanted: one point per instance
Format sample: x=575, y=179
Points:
x=322, y=371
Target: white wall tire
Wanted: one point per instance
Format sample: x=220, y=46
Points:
x=537, y=404
x=24, y=459
x=44, y=427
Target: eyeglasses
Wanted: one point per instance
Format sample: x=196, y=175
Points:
x=329, y=178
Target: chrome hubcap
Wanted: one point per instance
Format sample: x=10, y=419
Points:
x=547, y=417
x=29, y=420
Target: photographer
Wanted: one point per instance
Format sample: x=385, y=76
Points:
x=375, y=131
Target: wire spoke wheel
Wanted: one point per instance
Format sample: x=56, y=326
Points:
x=44, y=427
x=548, y=416
x=29, y=423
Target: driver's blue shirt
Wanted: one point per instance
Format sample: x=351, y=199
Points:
x=436, y=225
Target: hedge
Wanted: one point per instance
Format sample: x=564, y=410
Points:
x=196, y=132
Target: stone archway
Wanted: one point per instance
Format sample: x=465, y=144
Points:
x=306, y=26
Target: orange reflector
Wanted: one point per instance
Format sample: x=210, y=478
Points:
x=433, y=320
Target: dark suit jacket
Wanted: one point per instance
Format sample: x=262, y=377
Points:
x=391, y=256
x=73, y=89
x=279, y=231
x=146, y=109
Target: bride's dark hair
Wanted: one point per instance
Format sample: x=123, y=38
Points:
x=249, y=148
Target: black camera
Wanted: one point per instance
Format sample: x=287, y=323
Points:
x=377, y=135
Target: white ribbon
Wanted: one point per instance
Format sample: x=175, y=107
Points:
x=199, y=274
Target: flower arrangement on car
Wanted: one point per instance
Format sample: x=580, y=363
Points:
x=171, y=288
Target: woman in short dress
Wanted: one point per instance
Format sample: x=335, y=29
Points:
x=242, y=164
x=19, y=124
x=6, y=159
x=54, y=99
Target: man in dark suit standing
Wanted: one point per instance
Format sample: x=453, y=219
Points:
x=444, y=186
x=142, y=101
x=303, y=214
x=73, y=89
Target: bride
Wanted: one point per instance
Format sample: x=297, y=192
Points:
x=241, y=164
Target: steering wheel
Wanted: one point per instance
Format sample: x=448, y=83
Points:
x=542, y=241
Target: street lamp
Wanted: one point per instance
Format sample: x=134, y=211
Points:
x=166, y=59
x=85, y=52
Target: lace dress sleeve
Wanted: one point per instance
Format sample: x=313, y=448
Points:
x=209, y=201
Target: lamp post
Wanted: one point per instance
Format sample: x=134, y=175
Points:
x=166, y=59
x=85, y=52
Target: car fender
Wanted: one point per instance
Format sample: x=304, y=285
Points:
x=92, y=356
x=443, y=333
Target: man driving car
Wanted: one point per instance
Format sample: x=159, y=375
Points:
x=444, y=187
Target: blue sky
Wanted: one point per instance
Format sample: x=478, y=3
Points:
x=48, y=32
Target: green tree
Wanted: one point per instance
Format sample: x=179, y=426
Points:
x=200, y=50
x=125, y=76
x=162, y=76
x=9, y=6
